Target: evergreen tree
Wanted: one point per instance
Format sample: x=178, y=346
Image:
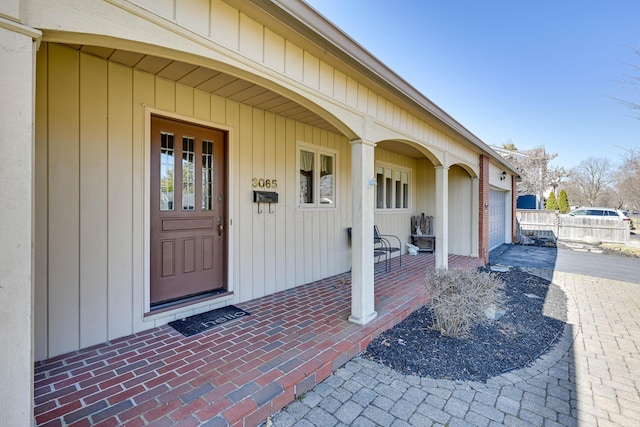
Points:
x=552, y=205
x=563, y=202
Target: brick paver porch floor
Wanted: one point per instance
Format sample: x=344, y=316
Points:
x=235, y=374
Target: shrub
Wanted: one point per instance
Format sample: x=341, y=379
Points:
x=552, y=204
x=459, y=298
x=563, y=202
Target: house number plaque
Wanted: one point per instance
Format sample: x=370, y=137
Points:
x=264, y=183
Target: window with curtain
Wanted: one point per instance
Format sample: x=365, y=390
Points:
x=316, y=177
x=393, y=187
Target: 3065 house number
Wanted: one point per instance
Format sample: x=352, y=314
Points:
x=264, y=183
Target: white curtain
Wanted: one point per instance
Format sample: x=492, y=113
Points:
x=306, y=161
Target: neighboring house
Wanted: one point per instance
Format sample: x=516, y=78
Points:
x=135, y=132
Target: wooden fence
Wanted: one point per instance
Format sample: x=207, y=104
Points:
x=566, y=227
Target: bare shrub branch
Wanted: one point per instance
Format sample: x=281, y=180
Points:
x=459, y=298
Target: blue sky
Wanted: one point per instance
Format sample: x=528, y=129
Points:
x=534, y=72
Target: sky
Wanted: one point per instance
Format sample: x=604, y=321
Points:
x=535, y=73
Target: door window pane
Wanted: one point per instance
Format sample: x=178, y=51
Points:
x=207, y=175
x=167, y=169
x=188, y=174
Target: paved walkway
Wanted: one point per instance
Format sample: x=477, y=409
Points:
x=590, y=378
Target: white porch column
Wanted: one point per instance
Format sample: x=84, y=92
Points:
x=17, y=86
x=475, y=215
x=362, y=290
x=442, y=217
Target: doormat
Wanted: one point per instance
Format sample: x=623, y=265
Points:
x=201, y=322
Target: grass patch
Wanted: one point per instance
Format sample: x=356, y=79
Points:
x=620, y=249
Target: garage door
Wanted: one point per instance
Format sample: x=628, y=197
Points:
x=496, y=218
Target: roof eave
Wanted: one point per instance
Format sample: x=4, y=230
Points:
x=307, y=21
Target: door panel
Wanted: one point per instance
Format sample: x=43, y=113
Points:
x=188, y=210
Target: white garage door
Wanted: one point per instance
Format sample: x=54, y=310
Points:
x=496, y=218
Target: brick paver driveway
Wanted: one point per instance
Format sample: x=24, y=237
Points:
x=590, y=378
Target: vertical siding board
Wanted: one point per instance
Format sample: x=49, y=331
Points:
x=202, y=106
x=231, y=115
x=293, y=61
x=316, y=244
x=194, y=15
x=165, y=95
x=271, y=239
x=290, y=192
x=331, y=214
x=93, y=201
x=143, y=94
x=41, y=211
x=274, y=50
x=344, y=181
x=311, y=72
x=64, y=235
x=326, y=84
x=300, y=255
x=120, y=201
x=246, y=208
x=161, y=7
x=219, y=112
x=251, y=40
x=320, y=223
x=363, y=97
x=339, y=86
x=352, y=93
x=372, y=103
x=225, y=21
x=259, y=220
x=184, y=100
x=280, y=174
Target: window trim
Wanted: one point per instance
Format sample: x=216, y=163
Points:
x=318, y=151
x=391, y=171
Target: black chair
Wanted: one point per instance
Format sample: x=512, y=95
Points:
x=377, y=252
x=383, y=244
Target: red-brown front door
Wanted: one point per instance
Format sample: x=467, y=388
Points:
x=188, y=210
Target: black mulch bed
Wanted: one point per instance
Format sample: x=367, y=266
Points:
x=528, y=330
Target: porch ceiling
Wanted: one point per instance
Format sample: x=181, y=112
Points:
x=212, y=81
x=401, y=148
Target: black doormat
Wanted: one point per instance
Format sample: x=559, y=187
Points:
x=204, y=321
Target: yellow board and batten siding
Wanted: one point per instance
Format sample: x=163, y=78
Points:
x=91, y=176
x=238, y=32
x=95, y=173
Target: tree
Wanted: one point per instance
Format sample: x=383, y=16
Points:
x=628, y=181
x=591, y=178
x=552, y=205
x=537, y=176
x=632, y=81
x=563, y=202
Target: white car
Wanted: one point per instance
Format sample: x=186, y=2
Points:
x=600, y=212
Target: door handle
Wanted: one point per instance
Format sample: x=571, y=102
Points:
x=220, y=227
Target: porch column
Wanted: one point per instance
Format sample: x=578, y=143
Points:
x=442, y=217
x=362, y=189
x=17, y=86
x=475, y=212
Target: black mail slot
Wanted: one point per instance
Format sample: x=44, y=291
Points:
x=265, y=197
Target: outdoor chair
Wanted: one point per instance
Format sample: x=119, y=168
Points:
x=383, y=243
x=377, y=252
